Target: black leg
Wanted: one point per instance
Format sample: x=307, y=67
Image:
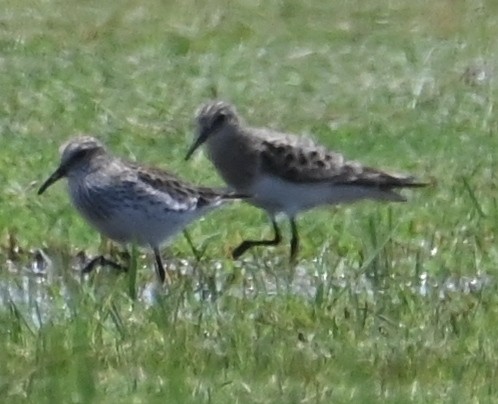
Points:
x=101, y=261
x=160, y=267
x=294, y=240
x=246, y=244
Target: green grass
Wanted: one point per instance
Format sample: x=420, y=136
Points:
x=381, y=81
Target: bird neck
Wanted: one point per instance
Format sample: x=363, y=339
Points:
x=232, y=154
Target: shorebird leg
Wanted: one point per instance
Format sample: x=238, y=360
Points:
x=294, y=240
x=161, y=273
x=246, y=244
x=101, y=261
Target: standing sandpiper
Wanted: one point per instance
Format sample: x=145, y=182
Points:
x=128, y=202
x=285, y=173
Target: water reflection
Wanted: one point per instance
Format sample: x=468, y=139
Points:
x=44, y=286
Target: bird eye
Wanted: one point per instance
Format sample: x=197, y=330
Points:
x=79, y=154
x=219, y=120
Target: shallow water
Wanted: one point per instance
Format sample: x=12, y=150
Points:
x=40, y=289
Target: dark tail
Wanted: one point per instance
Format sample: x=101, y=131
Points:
x=408, y=182
x=394, y=181
x=236, y=195
x=213, y=196
x=224, y=193
x=385, y=181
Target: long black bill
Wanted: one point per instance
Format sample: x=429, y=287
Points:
x=57, y=175
x=197, y=142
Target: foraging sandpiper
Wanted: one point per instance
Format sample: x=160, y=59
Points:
x=285, y=173
x=128, y=202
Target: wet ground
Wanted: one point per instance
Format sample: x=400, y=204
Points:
x=38, y=287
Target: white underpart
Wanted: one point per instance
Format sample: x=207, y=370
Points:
x=276, y=195
x=144, y=227
x=132, y=221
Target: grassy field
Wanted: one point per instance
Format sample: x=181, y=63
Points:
x=389, y=303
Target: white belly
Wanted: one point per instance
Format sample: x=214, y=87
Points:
x=131, y=220
x=280, y=196
x=144, y=227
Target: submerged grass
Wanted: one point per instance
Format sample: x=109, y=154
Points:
x=401, y=305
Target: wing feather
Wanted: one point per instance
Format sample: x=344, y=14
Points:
x=180, y=195
x=299, y=159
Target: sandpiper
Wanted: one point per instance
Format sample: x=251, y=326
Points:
x=285, y=173
x=128, y=202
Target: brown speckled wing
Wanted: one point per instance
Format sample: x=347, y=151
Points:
x=300, y=160
x=185, y=194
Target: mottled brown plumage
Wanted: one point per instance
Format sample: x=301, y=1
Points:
x=285, y=173
x=129, y=202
